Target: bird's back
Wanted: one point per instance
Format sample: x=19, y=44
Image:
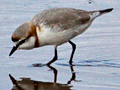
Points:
x=62, y=18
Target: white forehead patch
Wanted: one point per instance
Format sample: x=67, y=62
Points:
x=94, y=15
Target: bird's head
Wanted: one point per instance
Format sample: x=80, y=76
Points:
x=24, y=37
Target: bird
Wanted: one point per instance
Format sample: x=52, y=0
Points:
x=54, y=26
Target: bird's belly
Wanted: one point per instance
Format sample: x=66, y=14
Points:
x=49, y=37
x=55, y=38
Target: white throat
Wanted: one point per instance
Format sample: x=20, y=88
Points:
x=29, y=44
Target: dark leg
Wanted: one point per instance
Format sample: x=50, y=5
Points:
x=73, y=51
x=54, y=59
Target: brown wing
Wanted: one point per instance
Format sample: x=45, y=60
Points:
x=62, y=18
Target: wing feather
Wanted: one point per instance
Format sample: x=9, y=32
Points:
x=61, y=18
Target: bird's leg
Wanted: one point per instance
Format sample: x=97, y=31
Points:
x=54, y=59
x=73, y=51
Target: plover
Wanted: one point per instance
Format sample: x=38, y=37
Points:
x=54, y=26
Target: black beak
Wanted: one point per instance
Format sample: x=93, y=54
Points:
x=16, y=47
x=106, y=11
x=13, y=80
x=13, y=50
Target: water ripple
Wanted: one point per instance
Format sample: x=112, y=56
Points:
x=98, y=63
x=94, y=63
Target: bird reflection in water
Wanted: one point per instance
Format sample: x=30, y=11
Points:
x=28, y=84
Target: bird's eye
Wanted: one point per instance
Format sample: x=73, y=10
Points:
x=92, y=14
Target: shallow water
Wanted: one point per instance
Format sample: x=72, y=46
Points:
x=97, y=57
